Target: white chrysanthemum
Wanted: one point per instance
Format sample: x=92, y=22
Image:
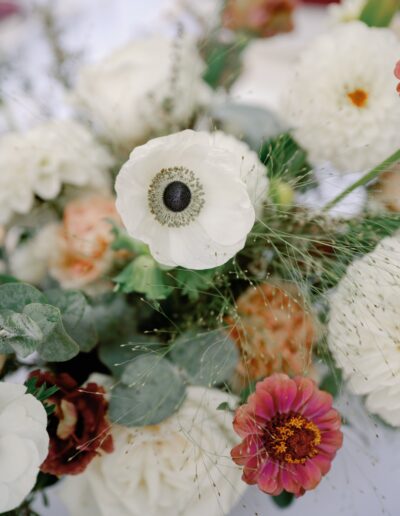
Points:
x=23, y=443
x=364, y=329
x=342, y=102
x=41, y=160
x=192, y=197
x=146, y=88
x=179, y=467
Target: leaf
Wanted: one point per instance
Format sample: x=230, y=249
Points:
x=18, y=333
x=114, y=318
x=143, y=275
x=253, y=124
x=14, y=296
x=77, y=316
x=151, y=390
x=57, y=345
x=208, y=359
x=192, y=283
x=223, y=62
x=118, y=356
x=284, y=499
x=379, y=13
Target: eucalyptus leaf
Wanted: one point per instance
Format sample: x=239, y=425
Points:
x=252, y=123
x=118, y=356
x=77, y=316
x=14, y=296
x=151, y=390
x=57, y=345
x=208, y=359
x=18, y=333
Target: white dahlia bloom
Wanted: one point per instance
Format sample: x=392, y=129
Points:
x=24, y=443
x=342, y=102
x=192, y=197
x=179, y=467
x=364, y=331
x=41, y=160
x=148, y=87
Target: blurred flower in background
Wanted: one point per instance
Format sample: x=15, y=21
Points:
x=264, y=18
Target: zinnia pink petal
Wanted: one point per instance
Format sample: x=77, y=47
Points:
x=291, y=435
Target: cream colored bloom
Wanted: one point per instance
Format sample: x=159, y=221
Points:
x=364, y=330
x=23, y=443
x=180, y=467
x=40, y=161
x=192, y=197
x=342, y=102
x=148, y=87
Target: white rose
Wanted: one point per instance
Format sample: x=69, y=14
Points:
x=23, y=443
x=40, y=161
x=147, y=87
x=179, y=467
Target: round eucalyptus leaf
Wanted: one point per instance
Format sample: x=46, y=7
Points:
x=151, y=390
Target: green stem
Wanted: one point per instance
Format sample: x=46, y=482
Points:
x=369, y=176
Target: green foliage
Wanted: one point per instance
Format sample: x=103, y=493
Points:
x=28, y=322
x=223, y=61
x=41, y=393
x=287, y=161
x=283, y=500
x=207, y=359
x=77, y=316
x=192, y=283
x=144, y=275
x=379, y=13
x=117, y=356
x=151, y=389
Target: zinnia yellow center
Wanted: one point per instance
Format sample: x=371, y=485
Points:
x=358, y=97
x=292, y=438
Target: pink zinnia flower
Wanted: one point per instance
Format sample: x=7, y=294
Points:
x=290, y=435
x=397, y=74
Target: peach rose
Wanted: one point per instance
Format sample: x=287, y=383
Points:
x=83, y=253
x=387, y=190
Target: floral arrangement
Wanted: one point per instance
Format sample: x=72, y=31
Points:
x=188, y=282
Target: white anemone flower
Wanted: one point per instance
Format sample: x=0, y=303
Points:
x=342, y=101
x=364, y=330
x=24, y=443
x=192, y=197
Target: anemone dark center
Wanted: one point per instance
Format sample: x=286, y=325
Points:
x=291, y=438
x=177, y=196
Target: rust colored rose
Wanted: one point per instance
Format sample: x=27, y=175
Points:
x=262, y=17
x=78, y=427
x=274, y=332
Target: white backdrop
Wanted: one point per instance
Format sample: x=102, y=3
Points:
x=365, y=478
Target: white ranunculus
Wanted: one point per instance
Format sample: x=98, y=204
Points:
x=40, y=161
x=23, y=443
x=343, y=105
x=364, y=331
x=179, y=467
x=192, y=197
x=148, y=87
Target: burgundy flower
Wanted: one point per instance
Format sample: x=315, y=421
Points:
x=78, y=427
x=290, y=435
x=397, y=74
